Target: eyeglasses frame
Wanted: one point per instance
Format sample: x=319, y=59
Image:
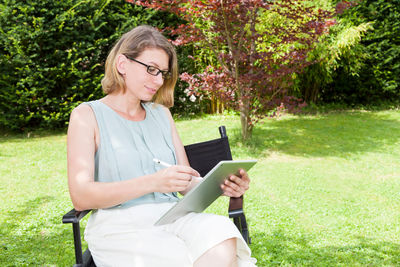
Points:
x=166, y=74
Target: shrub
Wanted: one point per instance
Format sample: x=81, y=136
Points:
x=370, y=73
x=52, y=55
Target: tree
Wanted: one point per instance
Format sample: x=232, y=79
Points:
x=255, y=59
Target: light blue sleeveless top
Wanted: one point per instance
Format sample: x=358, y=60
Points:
x=127, y=148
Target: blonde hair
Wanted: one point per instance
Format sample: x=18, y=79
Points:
x=132, y=44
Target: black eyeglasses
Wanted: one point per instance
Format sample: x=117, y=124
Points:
x=153, y=70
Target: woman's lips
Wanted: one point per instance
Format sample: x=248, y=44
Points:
x=151, y=90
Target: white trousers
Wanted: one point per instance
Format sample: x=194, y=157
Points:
x=127, y=237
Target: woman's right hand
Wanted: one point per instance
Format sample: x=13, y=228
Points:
x=176, y=178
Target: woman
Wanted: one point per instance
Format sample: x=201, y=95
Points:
x=111, y=146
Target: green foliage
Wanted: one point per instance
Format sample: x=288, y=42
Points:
x=184, y=104
x=339, y=44
x=371, y=71
x=52, y=55
x=270, y=20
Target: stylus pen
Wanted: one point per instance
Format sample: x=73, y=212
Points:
x=162, y=163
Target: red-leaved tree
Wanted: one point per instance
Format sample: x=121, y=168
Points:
x=258, y=46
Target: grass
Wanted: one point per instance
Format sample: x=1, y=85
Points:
x=325, y=192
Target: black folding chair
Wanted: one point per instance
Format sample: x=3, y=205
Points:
x=202, y=157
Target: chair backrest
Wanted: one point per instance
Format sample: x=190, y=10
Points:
x=204, y=156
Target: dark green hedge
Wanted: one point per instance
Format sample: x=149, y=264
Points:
x=52, y=55
x=378, y=78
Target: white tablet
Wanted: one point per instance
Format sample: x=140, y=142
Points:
x=205, y=192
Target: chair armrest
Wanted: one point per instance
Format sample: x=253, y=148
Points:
x=239, y=219
x=235, y=203
x=74, y=216
x=235, y=213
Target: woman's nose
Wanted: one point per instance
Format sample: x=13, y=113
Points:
x=159, y=80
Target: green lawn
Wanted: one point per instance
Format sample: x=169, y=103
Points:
x=325, y=192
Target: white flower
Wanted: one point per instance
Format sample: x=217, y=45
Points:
x=192, y=98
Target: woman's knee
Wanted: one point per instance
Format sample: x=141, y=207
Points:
x=223, y=254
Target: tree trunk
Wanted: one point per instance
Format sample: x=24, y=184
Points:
x=245, y=120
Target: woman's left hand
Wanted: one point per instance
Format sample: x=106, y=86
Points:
x=236, y=186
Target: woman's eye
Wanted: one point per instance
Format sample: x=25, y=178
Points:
x=152, y=70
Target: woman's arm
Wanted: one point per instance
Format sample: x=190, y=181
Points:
x=85, y=192
x=81, y=146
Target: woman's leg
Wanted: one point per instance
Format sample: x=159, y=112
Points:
x=212, y=240
x=221, y=255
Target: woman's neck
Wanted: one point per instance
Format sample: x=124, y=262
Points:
x=128, y=107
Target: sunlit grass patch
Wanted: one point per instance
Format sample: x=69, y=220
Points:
x=325, y=190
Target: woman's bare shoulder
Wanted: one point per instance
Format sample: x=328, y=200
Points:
x=83, y=114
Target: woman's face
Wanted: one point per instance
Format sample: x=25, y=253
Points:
x=141, y=84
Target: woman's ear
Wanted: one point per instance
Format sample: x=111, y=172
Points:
x=121, y=64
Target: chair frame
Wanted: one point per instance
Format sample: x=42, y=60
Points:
x=235, y=210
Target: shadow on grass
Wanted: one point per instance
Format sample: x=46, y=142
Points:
x=28, y=238
x=8, y=136
x=338, y=135
x=280, y=249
